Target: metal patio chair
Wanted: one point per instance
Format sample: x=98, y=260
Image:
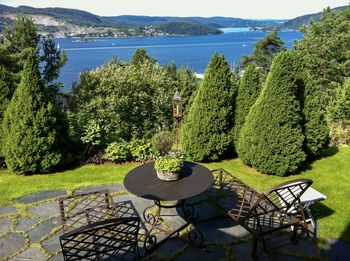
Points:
x=264, y=215
x=95, y=228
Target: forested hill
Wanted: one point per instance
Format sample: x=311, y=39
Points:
x=296, y=23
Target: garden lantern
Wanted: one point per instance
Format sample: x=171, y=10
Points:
x=177, y=105
x=177, y=114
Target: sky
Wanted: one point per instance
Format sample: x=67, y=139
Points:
x=255, y=9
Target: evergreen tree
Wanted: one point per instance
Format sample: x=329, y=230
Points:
x=264, y=52
x=339, y=110
x=31, y=130
x=315, y=127
x=271, y=139
x=140, y=56
x=207, y=130
x=247, y=93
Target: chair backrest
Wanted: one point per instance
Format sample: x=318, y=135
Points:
x=115, y=238
x=276, y=202
x=82, y=209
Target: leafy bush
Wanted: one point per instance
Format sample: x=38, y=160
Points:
x=142, y=150
x=168, y=164
x=117, y=152
x=340, y=133
x=163, y=141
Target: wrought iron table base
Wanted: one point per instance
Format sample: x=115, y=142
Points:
x=155, y=220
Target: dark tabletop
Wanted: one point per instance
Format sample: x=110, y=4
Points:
x=142, y=181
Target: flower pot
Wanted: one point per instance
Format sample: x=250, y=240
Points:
x=167, y=176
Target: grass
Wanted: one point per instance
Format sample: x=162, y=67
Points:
x=331, y=176
x=14, y=186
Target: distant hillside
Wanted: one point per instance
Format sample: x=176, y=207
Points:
x=63, y=22
x=296, y=23
x=187, y=28
x=218, y=21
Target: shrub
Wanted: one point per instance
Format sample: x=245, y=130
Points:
x=117, y=152
x=142, y=150
x=207, y=130
x=163, y=141
x=340, y=133
x=271, y=139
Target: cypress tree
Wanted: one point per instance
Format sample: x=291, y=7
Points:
x=271, y=139
x=31, y=131
x=207, y=130
x=247, y=93
x=315, y=127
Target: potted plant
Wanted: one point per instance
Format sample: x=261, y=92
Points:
x=168, y=168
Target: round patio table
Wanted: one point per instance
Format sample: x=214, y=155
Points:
x=142, y=181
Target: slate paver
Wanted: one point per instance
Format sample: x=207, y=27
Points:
x=52, y=244
x=10, y=244
x=58, y=257
x=170, y=247
x=5, y=225
x=212, y=253
x=39, y=196
x=139, y=203
x=25, y=224
x=222, y=230
x=30, y=254
x=336, y=250
x=304, y=247
x=43, y=229
x=45, y=210
x=111, y=188
x=242, y=252
x=7, y=210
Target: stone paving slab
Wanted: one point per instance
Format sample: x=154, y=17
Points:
x=242, y=252
x=58, y=257
x=43, y=229
x=39, y=196
x=45, y=210
x=211, y=253
x=10, y=244
x=5, y=225
x=52, y=244
x=111, y=188
x=25, y=224
x=222, y=230
x=170, y=247
x=30, y=254
x=337, y=250
x=7, y=210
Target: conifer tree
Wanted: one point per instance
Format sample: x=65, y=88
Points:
x=247, y=93
x=31, y=130
x=208, y=128
x=271, y=139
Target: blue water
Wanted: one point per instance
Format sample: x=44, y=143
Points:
x=192, y=51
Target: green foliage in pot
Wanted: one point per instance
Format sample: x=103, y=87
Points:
x=168, y=164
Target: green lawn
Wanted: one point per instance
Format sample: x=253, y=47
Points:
x=331, y=176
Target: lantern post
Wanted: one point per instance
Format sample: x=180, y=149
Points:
x=177, y=114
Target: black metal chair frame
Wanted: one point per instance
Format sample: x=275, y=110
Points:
x=263, y=214
x=95, y=228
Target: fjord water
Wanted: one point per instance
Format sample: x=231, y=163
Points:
x=192, y=51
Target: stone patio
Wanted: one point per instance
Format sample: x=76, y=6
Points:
x=31, y=230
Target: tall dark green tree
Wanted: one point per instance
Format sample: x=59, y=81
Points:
x=264, y=52
x=32, y=135
x=272, y=139
x=247, y=93
x=208, y=128
x=140, y=56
